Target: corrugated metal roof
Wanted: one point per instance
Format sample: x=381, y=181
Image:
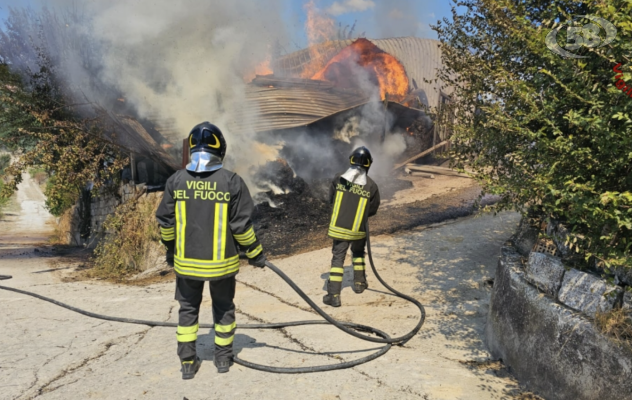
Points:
x=285, y=101
x=316, y=57
x=129, y=134
x=273, y=104
x=420, y=57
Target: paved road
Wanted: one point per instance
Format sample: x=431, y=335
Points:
x=31, y=223
x=51, y=353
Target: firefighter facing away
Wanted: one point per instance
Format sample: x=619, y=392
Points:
x=355, y=197
x=204, y=220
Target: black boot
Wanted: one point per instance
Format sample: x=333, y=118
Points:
x=190, y=368
x=332, y=298
x=359, y=281
x=223, y=365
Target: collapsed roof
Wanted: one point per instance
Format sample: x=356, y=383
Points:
x=287, y=100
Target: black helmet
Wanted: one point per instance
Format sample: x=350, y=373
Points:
x=207, y=138
x=361, y=157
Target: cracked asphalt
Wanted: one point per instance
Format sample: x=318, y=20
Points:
x=52, y=353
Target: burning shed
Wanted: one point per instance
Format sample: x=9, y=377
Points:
x=347, y=88
x=335, y=76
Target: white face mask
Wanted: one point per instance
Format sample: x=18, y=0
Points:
x=355, y=175
x=204, y=162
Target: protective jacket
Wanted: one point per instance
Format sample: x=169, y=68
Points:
x=352, y=205
x=207, y=215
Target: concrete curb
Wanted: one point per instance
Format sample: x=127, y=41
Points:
x=551, y=349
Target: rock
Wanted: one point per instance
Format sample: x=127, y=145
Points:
x=525, y=237
x=587, y=293
x=553, y=351
x=627, y=301
x=545, y=272
x=624, y=275
x=559, y=233
x=621, y=274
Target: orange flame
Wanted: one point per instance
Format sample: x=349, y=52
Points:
x=319, y=28
x=383, y=70
x=263, y=68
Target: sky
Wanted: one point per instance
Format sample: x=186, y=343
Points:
x=376, y=18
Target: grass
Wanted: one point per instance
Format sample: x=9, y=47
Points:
x=616, y=324
x=7, y=204
x=132, y=237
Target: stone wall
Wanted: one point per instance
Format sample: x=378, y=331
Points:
x=546, y=335
x=100, y=207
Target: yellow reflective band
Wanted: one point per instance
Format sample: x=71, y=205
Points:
x=334, y=215
x=225, y=328
x=337, y=270
x=206, y=273
x=167, y=231
x=345, y=234
x=187, y=334
x=358, y=260
x=181, y=223
x=223, y=341
x=221, y=217
x=335, y=278
x=187, y=338
x=187, y=329
x=257, y=250
x=168, y=238
x=192, y=262
x=247, y=238
x=359, y=214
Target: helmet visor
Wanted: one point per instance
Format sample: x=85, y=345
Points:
x=202, y=161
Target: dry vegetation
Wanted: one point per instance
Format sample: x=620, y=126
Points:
x=617, y=324
x=132, y=241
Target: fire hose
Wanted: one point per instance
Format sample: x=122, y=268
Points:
x=347, y=327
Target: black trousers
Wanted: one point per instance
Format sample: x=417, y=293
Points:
x=189, y=295
x=339, y=251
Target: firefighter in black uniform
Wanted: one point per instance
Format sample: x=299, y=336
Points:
x=204, y=220
x=355, y=197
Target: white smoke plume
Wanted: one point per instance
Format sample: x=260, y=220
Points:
x=185, y=62
x=172, y=61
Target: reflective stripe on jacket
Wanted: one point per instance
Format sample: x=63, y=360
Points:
x=352, y=205
x=207, y=218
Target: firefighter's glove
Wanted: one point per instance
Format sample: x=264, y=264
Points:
x=259, y=261
x=170, y=245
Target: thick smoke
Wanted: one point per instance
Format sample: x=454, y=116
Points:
x=184, y=63
x=398, y=18
x=187, y=62
x=169, y=61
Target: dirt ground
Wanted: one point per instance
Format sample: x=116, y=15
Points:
x=304, y=217
x=52, y=353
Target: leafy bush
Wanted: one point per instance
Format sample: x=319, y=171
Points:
x=546, y=133
x=5, y=161
x=42, y=131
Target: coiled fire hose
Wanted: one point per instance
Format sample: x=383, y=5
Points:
x=347, y=327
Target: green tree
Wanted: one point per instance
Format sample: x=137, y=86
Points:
x=39, y=126
x=549, y=134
